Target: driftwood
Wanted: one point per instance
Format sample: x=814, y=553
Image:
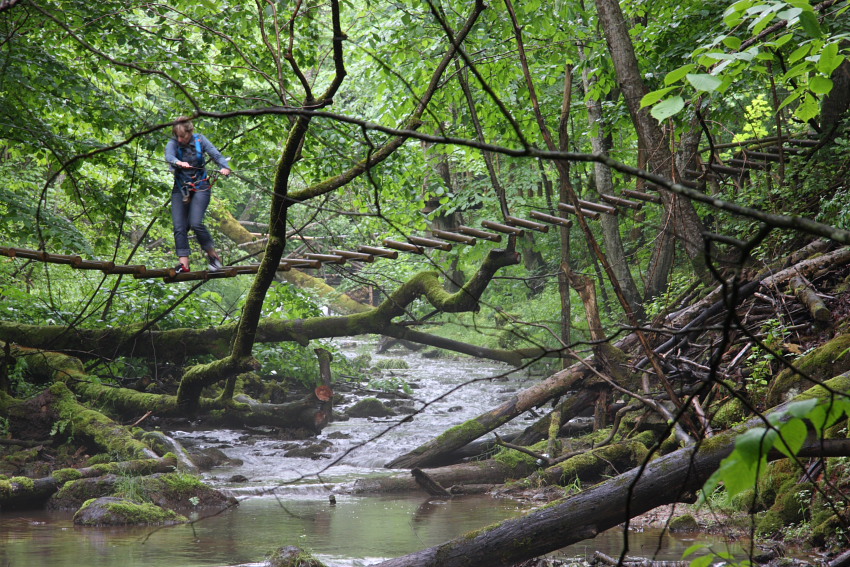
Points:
x=810, y=298
x=19, y=492
x=676, y=477
x=431, y=486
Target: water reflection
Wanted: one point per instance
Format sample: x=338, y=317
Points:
x=358, y=529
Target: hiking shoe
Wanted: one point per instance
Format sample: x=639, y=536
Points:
x=215, y=264
x=181, y=269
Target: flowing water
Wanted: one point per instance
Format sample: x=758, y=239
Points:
x=285, y=500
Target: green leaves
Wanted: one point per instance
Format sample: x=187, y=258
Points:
x=667, y=108
x=704, y=82
x=654, y=96
x=829, y=59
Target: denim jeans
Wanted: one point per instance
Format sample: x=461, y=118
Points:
x=190, y=215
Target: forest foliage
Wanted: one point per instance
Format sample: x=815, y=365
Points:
x=351, y=122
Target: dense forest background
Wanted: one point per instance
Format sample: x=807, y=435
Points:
x=633, y=156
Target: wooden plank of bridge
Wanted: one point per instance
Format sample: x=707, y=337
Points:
x=614, y=200
x=469, y=231
x=551, y=219
x=299, y=263
x=25, y=253
x=403, y=246
x=525, y=223
x=454, y=236
x=326, y=258
x=504, y=228
x=642, y=196
x=429, y=243
x=360, y=256
x=156, y=273
x=378, y=252
x=127, y=269
x=570, y=209
x=607, y=209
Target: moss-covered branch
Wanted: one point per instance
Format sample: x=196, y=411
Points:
x=179, y=344
x=73, y=382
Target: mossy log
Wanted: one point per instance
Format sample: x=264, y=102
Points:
x=676, y=477
x=810, y=298
x=594, y=464
x=25, y=493
x=309, y=413
x=84, y=422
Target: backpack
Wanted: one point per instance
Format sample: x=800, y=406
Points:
x=198, y=150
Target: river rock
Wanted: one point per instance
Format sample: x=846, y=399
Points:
x=175, y=491
x=313, y=451
x=112, y=511
x=370, y=407
x=210, y=457
x=683, y=524
x=73, y=493
x=338, y=435
x=292, y=556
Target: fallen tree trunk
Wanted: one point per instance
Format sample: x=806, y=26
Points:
x=488, y=472
x=310, y=413
x=676, y=477
x=810, y=298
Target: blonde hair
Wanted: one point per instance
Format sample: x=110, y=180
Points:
x=183, y=126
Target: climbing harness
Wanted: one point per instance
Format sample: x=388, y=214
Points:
x=195, y=184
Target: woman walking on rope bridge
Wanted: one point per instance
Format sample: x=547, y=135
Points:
x=190, y=196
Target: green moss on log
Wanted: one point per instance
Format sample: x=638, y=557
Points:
x=112, y=437
x=66, y=475
x=730, y=414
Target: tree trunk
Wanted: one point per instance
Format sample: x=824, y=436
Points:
x=601, y=143
x=685, y=224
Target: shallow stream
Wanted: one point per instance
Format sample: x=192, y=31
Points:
x=285, y=501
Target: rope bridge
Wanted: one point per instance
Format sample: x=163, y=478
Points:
x=439, y=240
